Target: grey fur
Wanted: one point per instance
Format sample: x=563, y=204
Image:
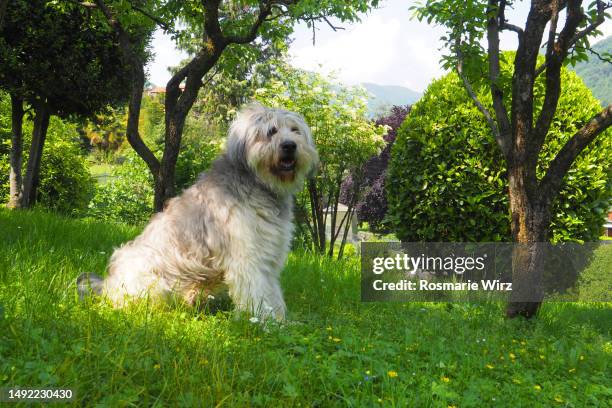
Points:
x=232, y=227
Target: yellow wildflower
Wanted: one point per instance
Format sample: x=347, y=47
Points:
x=558, y=399
x=445, y=379
x=490, y=367
x=537, y=387
x=392, y=374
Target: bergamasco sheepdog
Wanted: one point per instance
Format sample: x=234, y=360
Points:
x=232, y=227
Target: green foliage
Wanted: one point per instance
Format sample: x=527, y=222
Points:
x=447, y=177
x=596, y=73
x=341, y=353
x=337, y=116
x=127, y=196
x=65, y=183
x=105, y=132
x=197, y=154
x=63, y=56
x=152, y=120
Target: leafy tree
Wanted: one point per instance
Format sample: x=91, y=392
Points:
x=105, y=131
x=232, y=30
x=521, y=127
x=345, y=140
x=60, y=61
x=372, y=207
x=65, y=183
x=447, y=178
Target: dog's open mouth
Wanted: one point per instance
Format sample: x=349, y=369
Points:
x=286, y=164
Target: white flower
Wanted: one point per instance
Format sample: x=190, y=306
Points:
x=211, y=297
x=254, y=319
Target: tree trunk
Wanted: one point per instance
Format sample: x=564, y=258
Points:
x=3, y=4
x=16, y=155
x=39, y=133
x=530, y=227
x=316, y=206
x=165, y=182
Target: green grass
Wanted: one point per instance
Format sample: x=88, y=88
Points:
x=337, y=351
x=101, y=172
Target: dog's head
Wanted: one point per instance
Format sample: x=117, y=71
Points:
x=275, y=144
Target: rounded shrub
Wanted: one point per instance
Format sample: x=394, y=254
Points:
x=447, y=178
x=66, y=186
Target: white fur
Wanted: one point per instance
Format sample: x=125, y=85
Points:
x=233, y=227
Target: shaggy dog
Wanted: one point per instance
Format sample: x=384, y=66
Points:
x=232, y=227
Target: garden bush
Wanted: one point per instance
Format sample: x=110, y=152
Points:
x=447, y=179
x=65, y=183
x=128, y=195
x=372, y=208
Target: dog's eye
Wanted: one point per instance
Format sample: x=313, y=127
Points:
x=295, y=129
x=272, y=131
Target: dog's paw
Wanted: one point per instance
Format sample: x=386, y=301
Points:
x=88, y=283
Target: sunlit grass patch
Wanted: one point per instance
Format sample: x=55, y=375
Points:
x=335, y=351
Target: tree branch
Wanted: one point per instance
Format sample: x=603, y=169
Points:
x=552, y=181
x=503, y=23
x=556, y=52
x=511, y=27
x=138, y=80
x=602, y=7
x=523, y=81
x=503, y=135
x=265, y=9
x=211, y=23
x=602, y=58
x=333, y=27
x=160, y=23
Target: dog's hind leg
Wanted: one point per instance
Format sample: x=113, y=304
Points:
x=89, y=283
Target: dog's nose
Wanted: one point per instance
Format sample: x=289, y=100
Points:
x=288, y=146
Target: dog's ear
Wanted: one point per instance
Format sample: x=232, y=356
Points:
x=235, y=149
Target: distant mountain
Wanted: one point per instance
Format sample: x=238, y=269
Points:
x=597, y=74
x=385, y=96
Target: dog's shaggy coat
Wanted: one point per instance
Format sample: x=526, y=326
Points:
x=232, y=227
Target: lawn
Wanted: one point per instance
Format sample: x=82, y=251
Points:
x=336, y=351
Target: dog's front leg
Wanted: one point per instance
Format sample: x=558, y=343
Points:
x=256, y=291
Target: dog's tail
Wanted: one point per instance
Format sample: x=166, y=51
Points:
x=88, y=283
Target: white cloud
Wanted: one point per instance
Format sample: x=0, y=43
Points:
x=363, y=51
x=387, y=47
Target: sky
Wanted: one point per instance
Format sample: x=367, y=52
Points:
x=386, y=47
